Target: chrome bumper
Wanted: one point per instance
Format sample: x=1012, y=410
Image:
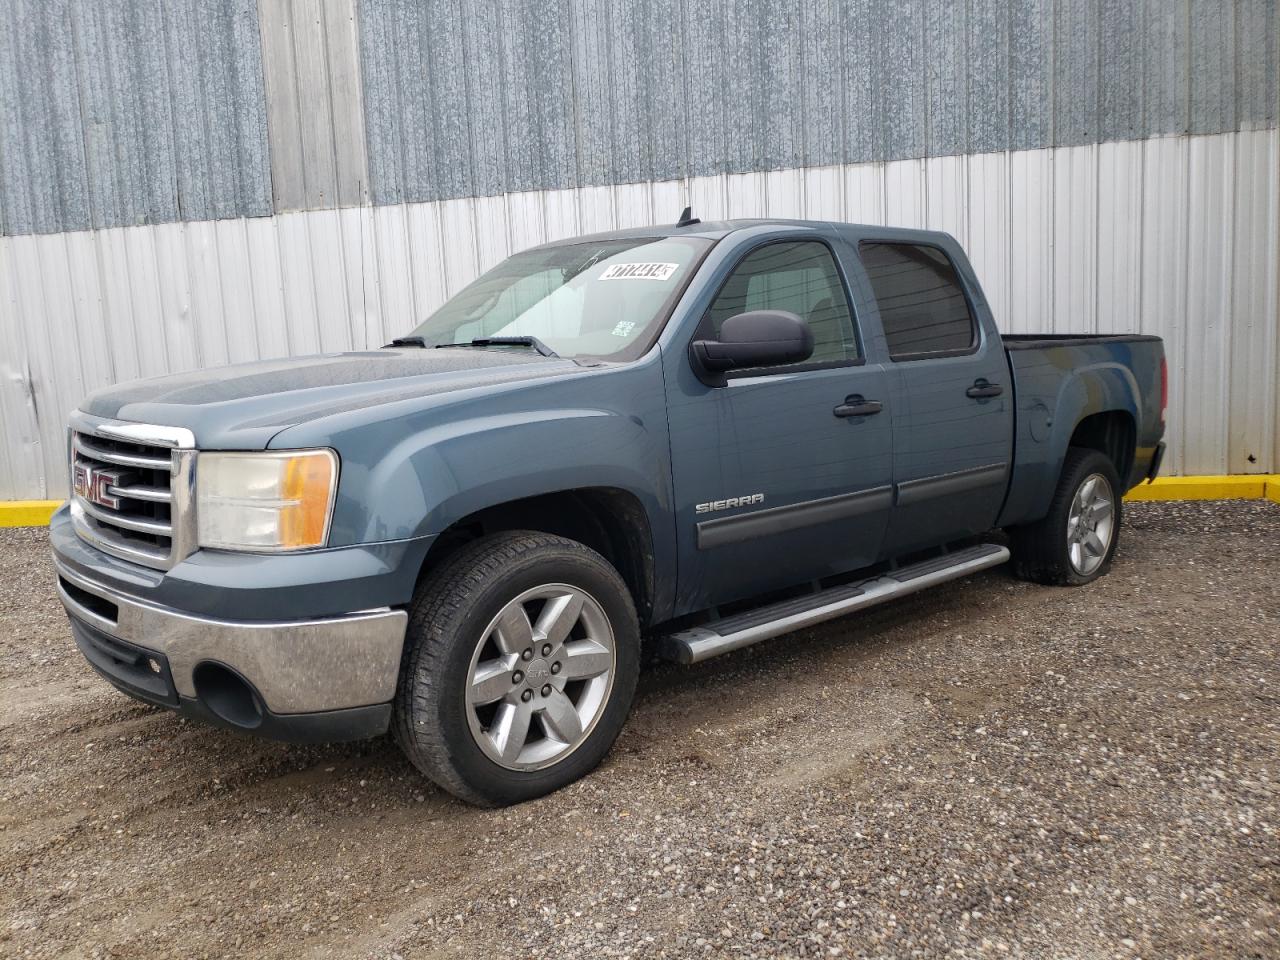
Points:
x=301, y=666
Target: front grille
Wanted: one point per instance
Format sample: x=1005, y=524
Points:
x=124, y=496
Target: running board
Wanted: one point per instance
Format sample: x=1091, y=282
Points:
x=744, y=629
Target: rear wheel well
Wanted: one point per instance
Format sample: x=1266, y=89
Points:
x=610, y=521
x=1112, y=434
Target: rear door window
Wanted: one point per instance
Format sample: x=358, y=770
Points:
x=923, y=308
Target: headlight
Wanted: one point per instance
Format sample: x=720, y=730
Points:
x=265, y=502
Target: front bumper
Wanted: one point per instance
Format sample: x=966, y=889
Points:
x=329, y=678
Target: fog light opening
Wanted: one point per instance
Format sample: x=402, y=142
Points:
x=227, y=695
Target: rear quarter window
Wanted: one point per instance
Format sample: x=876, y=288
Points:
x=922, y=304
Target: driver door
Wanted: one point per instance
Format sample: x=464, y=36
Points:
x=783, y=475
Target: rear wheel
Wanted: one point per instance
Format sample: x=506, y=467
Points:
x=521, y=661
x=1075, y=542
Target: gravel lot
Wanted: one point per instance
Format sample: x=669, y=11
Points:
x=989, y=768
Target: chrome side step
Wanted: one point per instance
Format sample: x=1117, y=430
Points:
x=744, y=629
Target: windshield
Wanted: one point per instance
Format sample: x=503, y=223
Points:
x=603, y=299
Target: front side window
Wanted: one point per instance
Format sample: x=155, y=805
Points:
x=922, y=305
x=798, y=277
x=603, y=300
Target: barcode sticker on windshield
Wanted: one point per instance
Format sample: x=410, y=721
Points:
x=639, y=271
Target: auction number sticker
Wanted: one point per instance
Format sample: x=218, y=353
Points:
x=639, y=271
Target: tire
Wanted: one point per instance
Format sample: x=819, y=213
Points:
x=466, y=642
x=1048, y=551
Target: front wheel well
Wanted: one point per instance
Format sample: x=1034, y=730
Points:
x=1112, y=434
x=610, y=521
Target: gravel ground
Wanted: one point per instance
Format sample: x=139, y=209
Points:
x=992, y=767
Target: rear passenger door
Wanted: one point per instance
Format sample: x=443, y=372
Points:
x=952, y=411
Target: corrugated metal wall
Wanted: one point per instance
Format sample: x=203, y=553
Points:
x=1177, y=236
x=1111, y=165
x=520, y=95
x=118, y=112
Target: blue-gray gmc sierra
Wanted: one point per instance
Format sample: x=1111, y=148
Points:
x=707, y=434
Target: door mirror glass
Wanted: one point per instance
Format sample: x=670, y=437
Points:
x=757, y=338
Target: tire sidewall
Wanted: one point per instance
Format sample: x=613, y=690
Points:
x=577, y=568
x=1084, y=466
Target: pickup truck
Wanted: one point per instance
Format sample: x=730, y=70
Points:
x=705, y=435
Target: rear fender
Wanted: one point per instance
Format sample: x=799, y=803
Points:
x=1052, y=401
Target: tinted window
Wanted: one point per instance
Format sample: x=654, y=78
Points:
x=922, y=305
x=800, y=278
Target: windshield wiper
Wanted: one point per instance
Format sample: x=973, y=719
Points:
x=407, y=342
x=534, y=342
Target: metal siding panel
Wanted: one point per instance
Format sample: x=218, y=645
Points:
x=662, y=61
x=1258, y=63
x=315, y=106
x=987, y=66
x=823, y=192
x=862, y=113
x=1117, y=300
x=230, y=101
x=988, y=228
x=1255, y=308
x=780, y=122
x=284, y=115
x=1166, y=61
x=864, y=193
x=1213, y=65
x=43, y=177
x=593, y=91
x=821, y=84
x=1208, y=280
x=24, y=476
x=947, y=65
x=947, y=196
x=1031, y=195
x=539, y=96
x=445, y=84
x=1075, y=72
x=743, y=37
x=490, y=136
x=266, y=287
x=347, y=111
x=1121, y=92
x=1030, y=74
x=1075, y=231
x=901, y=82
x=905, y=194
x=380, y=84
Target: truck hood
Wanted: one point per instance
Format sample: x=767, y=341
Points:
x=241, y=407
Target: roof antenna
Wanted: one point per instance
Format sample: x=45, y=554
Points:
x=687, y=219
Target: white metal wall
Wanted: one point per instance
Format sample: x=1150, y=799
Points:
x=1176, y=236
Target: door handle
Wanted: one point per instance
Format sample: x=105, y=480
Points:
x=857, y=406
x=982, y=389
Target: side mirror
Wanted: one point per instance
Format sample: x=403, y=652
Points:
x=757, y=338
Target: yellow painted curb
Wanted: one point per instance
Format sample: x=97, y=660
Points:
x=27, y=513
x=1273, y=488
x=1239, y=487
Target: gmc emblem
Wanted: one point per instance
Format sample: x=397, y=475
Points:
x=92, y=484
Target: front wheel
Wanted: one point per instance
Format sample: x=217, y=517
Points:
x=521, y=659
x=1075, y=542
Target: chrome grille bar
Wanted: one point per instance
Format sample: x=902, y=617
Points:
x=135, y=492
x=80, y=445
